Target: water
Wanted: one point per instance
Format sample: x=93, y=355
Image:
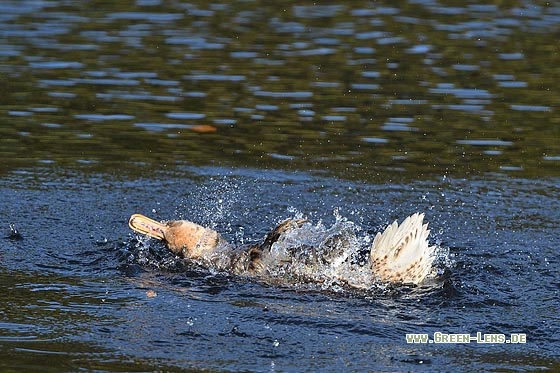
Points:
x=76, y=286
x=239, y=115
x=411, y=90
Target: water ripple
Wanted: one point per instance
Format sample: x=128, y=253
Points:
x=284, y=94
x=215, y=77
x=104, y=117
x=540, y=108
x=484, y=142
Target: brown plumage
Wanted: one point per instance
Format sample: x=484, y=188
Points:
x=401, y=254
x=182, y=237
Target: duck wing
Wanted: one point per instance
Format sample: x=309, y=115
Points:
x=280, y=229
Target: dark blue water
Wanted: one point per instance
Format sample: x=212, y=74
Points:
x=240, y=114
x=77, y=284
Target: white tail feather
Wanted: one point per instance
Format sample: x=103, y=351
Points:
x=402, y=253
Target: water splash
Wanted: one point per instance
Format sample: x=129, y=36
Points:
x=329, y=256
x=324, y=256
x=213, y=203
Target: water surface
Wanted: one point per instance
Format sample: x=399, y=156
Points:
x=241, y=114
x=77, y=284
x=363, y=90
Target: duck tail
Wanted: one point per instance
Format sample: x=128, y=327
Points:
x=143, y=224
x=402, y=253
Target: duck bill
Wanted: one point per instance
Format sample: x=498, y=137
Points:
x=143, y=224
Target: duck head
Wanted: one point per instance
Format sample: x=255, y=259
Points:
x=183, y=237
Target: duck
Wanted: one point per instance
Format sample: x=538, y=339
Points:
x=296, y=251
